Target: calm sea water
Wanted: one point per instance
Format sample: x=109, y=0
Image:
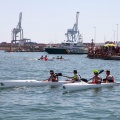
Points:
x=46, y=103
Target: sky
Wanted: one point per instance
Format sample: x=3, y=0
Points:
x=47, y=21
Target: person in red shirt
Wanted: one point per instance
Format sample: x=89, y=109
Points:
x=46, y=58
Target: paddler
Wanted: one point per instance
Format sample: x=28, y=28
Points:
x=57, y=57
x=61, y=57
x=97, y=78
x=46, y=58
x=109, y=77
x=53, y=77
x=76, y=77
x=41, y=58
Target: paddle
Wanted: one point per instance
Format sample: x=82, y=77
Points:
x=85, y=80
x=60, y=74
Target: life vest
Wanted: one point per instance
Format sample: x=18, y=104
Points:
x=110, y=78
x=77, y=77
x=46, y=59
x=52, y=77
x=97, y=80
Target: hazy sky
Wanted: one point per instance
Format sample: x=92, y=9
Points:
x=47, y=21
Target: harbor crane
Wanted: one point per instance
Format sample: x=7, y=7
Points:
x=73, y=34
x=17, y=33
x=17, y=30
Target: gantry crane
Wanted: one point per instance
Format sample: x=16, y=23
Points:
x=73, y=34
x=17, y=33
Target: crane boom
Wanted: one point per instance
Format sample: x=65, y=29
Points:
x=77, y=15
x=19, y=23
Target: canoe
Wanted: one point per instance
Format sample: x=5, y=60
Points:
x=83, y=85
x=28, y=83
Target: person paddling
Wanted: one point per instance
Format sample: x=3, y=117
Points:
x=53, y=77
x=41, y=58
x=96, y=79
x=76, y=77
x=46, y=58
x=57, y=57
x=61, y=57
x=109, y=77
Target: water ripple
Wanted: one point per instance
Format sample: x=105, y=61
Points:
x=49, y=103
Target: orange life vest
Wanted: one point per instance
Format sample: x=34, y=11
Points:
x=97, y=80
x=46, y=59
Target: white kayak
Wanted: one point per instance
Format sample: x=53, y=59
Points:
x=63, y=59
x=54, y=59
x=46, y=60
x=28, y=83
x=83, y=85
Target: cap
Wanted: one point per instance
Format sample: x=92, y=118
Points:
x=96, y=71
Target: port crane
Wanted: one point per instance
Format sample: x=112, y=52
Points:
x=73, y=34
x=17, y=33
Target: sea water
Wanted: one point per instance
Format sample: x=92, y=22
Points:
x=51, y=103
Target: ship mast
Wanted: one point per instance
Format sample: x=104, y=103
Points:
x=73, y=34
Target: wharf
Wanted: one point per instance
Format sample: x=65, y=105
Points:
x=36, y=47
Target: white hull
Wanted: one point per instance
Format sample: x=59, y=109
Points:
x=28, y=83
x=54, y=59
x=83, y=85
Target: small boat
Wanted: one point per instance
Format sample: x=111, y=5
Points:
x=112, y=58
x=107, y=51
x=83, y=85
x=28, y=83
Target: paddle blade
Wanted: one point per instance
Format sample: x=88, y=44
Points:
x=83, y=79
x=101, y=71
x=58, y=74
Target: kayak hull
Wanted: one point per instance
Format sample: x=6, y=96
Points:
x=54, y=59
x=83, y=86
x=28, y=83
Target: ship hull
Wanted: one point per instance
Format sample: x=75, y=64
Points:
x=65, y=51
